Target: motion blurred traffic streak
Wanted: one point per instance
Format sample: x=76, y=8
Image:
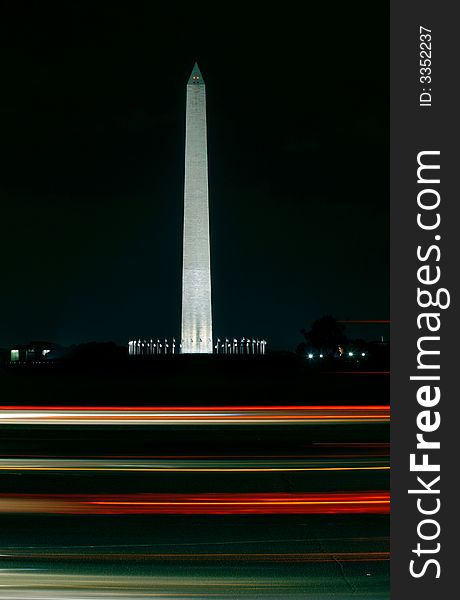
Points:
x=287, y=557
x=48, y=415
x=366, y=502
x=193, y=465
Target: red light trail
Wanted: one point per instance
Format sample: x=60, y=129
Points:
x=367, y=502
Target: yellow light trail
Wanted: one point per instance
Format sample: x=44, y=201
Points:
x=185, y=416
x=192, y=466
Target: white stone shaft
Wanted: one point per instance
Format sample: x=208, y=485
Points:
x=196, y=330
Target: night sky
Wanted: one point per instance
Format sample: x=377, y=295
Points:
x=92, y=117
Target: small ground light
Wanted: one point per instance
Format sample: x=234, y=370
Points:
x=310, y=356
x=363, y=354
x=321, y=356
x=350, y=354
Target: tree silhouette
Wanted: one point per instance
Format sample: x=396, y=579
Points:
x=326, y=335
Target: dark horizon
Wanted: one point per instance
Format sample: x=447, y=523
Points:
x=92, y=118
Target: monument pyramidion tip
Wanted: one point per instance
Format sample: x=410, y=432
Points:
x=196, y=78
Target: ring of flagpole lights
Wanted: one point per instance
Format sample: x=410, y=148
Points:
x=152, y=347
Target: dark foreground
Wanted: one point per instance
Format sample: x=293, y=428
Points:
x=196, y=380
x=182, y=557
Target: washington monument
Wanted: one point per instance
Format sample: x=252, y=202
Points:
x=196, y=330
